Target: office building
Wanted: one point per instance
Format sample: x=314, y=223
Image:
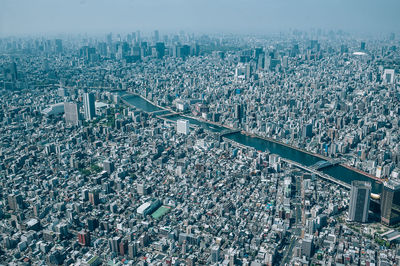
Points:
x=307, y=246
x=58, y=46
x=15, y=202
x=362, y=46
x=123, y=247
x=182, y=126
x=94, y=197
x=390, y=203
x=10, y=72
x=108, y=166
x=215, y=254
x=359, y=201
x=133, y=249
x=156, y=36
x=160, y=49
x=84, y=238
x=238, y=112
x=307, y=131
x=388, y=76
x=114, y=244
x=71, y=113
x=88, y=105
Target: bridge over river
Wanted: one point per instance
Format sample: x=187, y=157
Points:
x=332, y=170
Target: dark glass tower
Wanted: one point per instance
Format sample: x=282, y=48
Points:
x=359, y=201
x=390, y=203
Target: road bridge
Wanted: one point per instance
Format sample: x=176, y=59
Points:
x=318, y=173
x=325, y=164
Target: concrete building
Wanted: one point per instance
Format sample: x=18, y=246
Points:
x=182, y=126
x=72, y=116
x=89, y=106
x=359, y=201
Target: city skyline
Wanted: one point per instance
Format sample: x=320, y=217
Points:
x=199, y=133
x=44, y=17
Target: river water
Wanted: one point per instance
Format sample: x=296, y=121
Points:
x=339, y=172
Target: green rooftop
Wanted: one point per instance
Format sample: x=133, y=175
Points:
x=161, y=212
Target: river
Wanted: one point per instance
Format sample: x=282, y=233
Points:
x=339, y=172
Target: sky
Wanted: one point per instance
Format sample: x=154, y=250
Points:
x=41, y=17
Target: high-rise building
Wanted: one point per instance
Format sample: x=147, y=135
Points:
x=138, y=39
x=94, y=197
x=307, y=131
x=88, y=105
x=114, y=244
x=359, y=201
x=156, y=36
x=71, y=113
x=123, y=247
x=307, y=246
x=238, y=112
x=215, y=254
x=160, y=49
x=182, y=126
x=58, y=46
x=390, y=203
x=14, y=201
x=362, y=46
x=133, y=249
x=84, y=238
x=10, y=72
x=388, y=76
x=108, y=166
x=142, y=189
x=109, y=38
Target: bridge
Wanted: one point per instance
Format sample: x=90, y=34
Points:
x=317, y=173
x=325, y=164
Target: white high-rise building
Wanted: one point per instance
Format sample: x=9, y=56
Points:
x=88, y=105
x=388, y=76
x=182, y=126
x=71, y=113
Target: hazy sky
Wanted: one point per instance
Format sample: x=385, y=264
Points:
x=238, y=16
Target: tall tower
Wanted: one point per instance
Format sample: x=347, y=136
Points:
x=156, y=36
x=10, y=72
x=88, y=104
x=390, y=203
x=182, y=126
x=71, y=113
x=359, y=201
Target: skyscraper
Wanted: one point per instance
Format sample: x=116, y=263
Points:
x=390, y=203
x=108, y=166
x=156, y=36
x=359, y=201
x=88, y=105
x=94, y=197
x=160, y=48
x=15, y=201
x=133, y=249
x=215, y=254
x=388, y=76
x=84, y=238
x=362, y=46
x=10, y=72
x=307, y=131
x=71, y=113
x=238, y=112
x=182, y=126
x=58, y=46
x=307, y=246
